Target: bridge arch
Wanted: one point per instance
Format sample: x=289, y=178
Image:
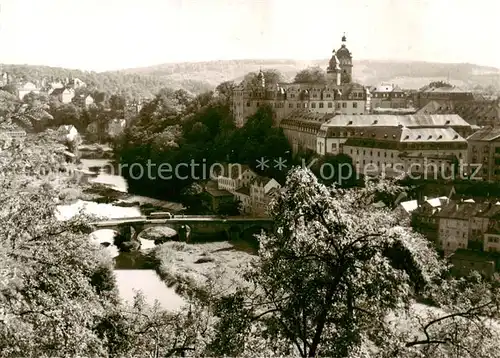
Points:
x=233, y=233
x=105, y=238
x=249, y=234
x=154, y=233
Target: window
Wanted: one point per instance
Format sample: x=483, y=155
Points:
x=330, y=104
x=321, y=105
x=248, y=104
x=334, y=147
x=290, y=105
x=354, y=104
x=338, y=105
x=344, y=105
x=313, y=105
x=298, y=105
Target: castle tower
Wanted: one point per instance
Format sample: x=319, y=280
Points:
x=345, y=58
x=333, y=71
x=261, y=79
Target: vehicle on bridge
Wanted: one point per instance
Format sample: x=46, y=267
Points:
x=160, y=215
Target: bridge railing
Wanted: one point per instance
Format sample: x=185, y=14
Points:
x=117, y=221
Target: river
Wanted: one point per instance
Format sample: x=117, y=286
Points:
x=129, y=281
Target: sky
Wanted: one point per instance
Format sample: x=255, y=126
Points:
x=102, y=35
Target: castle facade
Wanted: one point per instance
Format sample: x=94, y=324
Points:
x=339, y=95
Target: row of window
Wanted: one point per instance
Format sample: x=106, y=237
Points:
x=304, y=105
x=386, y=95
x=330, y=105
x=371, y=153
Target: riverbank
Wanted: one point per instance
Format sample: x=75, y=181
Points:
x=182, y=266
x=95, y=151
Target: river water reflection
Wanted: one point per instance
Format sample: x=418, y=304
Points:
x=131, y=280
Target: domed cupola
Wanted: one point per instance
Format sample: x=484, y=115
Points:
x=345, y=61
x=343, y=52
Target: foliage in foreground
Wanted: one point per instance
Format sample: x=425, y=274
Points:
x=58, y=295
x=329, y=281
x=335, y=270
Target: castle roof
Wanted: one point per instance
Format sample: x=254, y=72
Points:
x=485, y=135
x=387, y=120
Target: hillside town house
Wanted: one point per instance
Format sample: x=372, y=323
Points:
x=465, y=230
x=116, y=127
x=84, y=101
x=463, y=225
x=64, y=95
x=67, y=133
x=28, y=87
x=253, y=191
x=484, y=151
x=262, y=190
x=424, y=215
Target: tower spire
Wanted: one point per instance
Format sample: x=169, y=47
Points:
x=343, y=39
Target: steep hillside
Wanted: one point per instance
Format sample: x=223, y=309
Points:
x=133, y=85
x=201, y=76
x=370, y=72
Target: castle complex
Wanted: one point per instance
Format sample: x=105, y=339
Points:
x=339, y=95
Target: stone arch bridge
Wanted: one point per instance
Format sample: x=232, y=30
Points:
x=191, y=227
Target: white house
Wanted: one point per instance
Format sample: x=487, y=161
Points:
x=67, y=133
x=243, y=196
x=261, y=189
x=64, y=95
x=27, y=88
x=89, y=100
x=77, y=83
x=116, y=127
x=233, y=176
